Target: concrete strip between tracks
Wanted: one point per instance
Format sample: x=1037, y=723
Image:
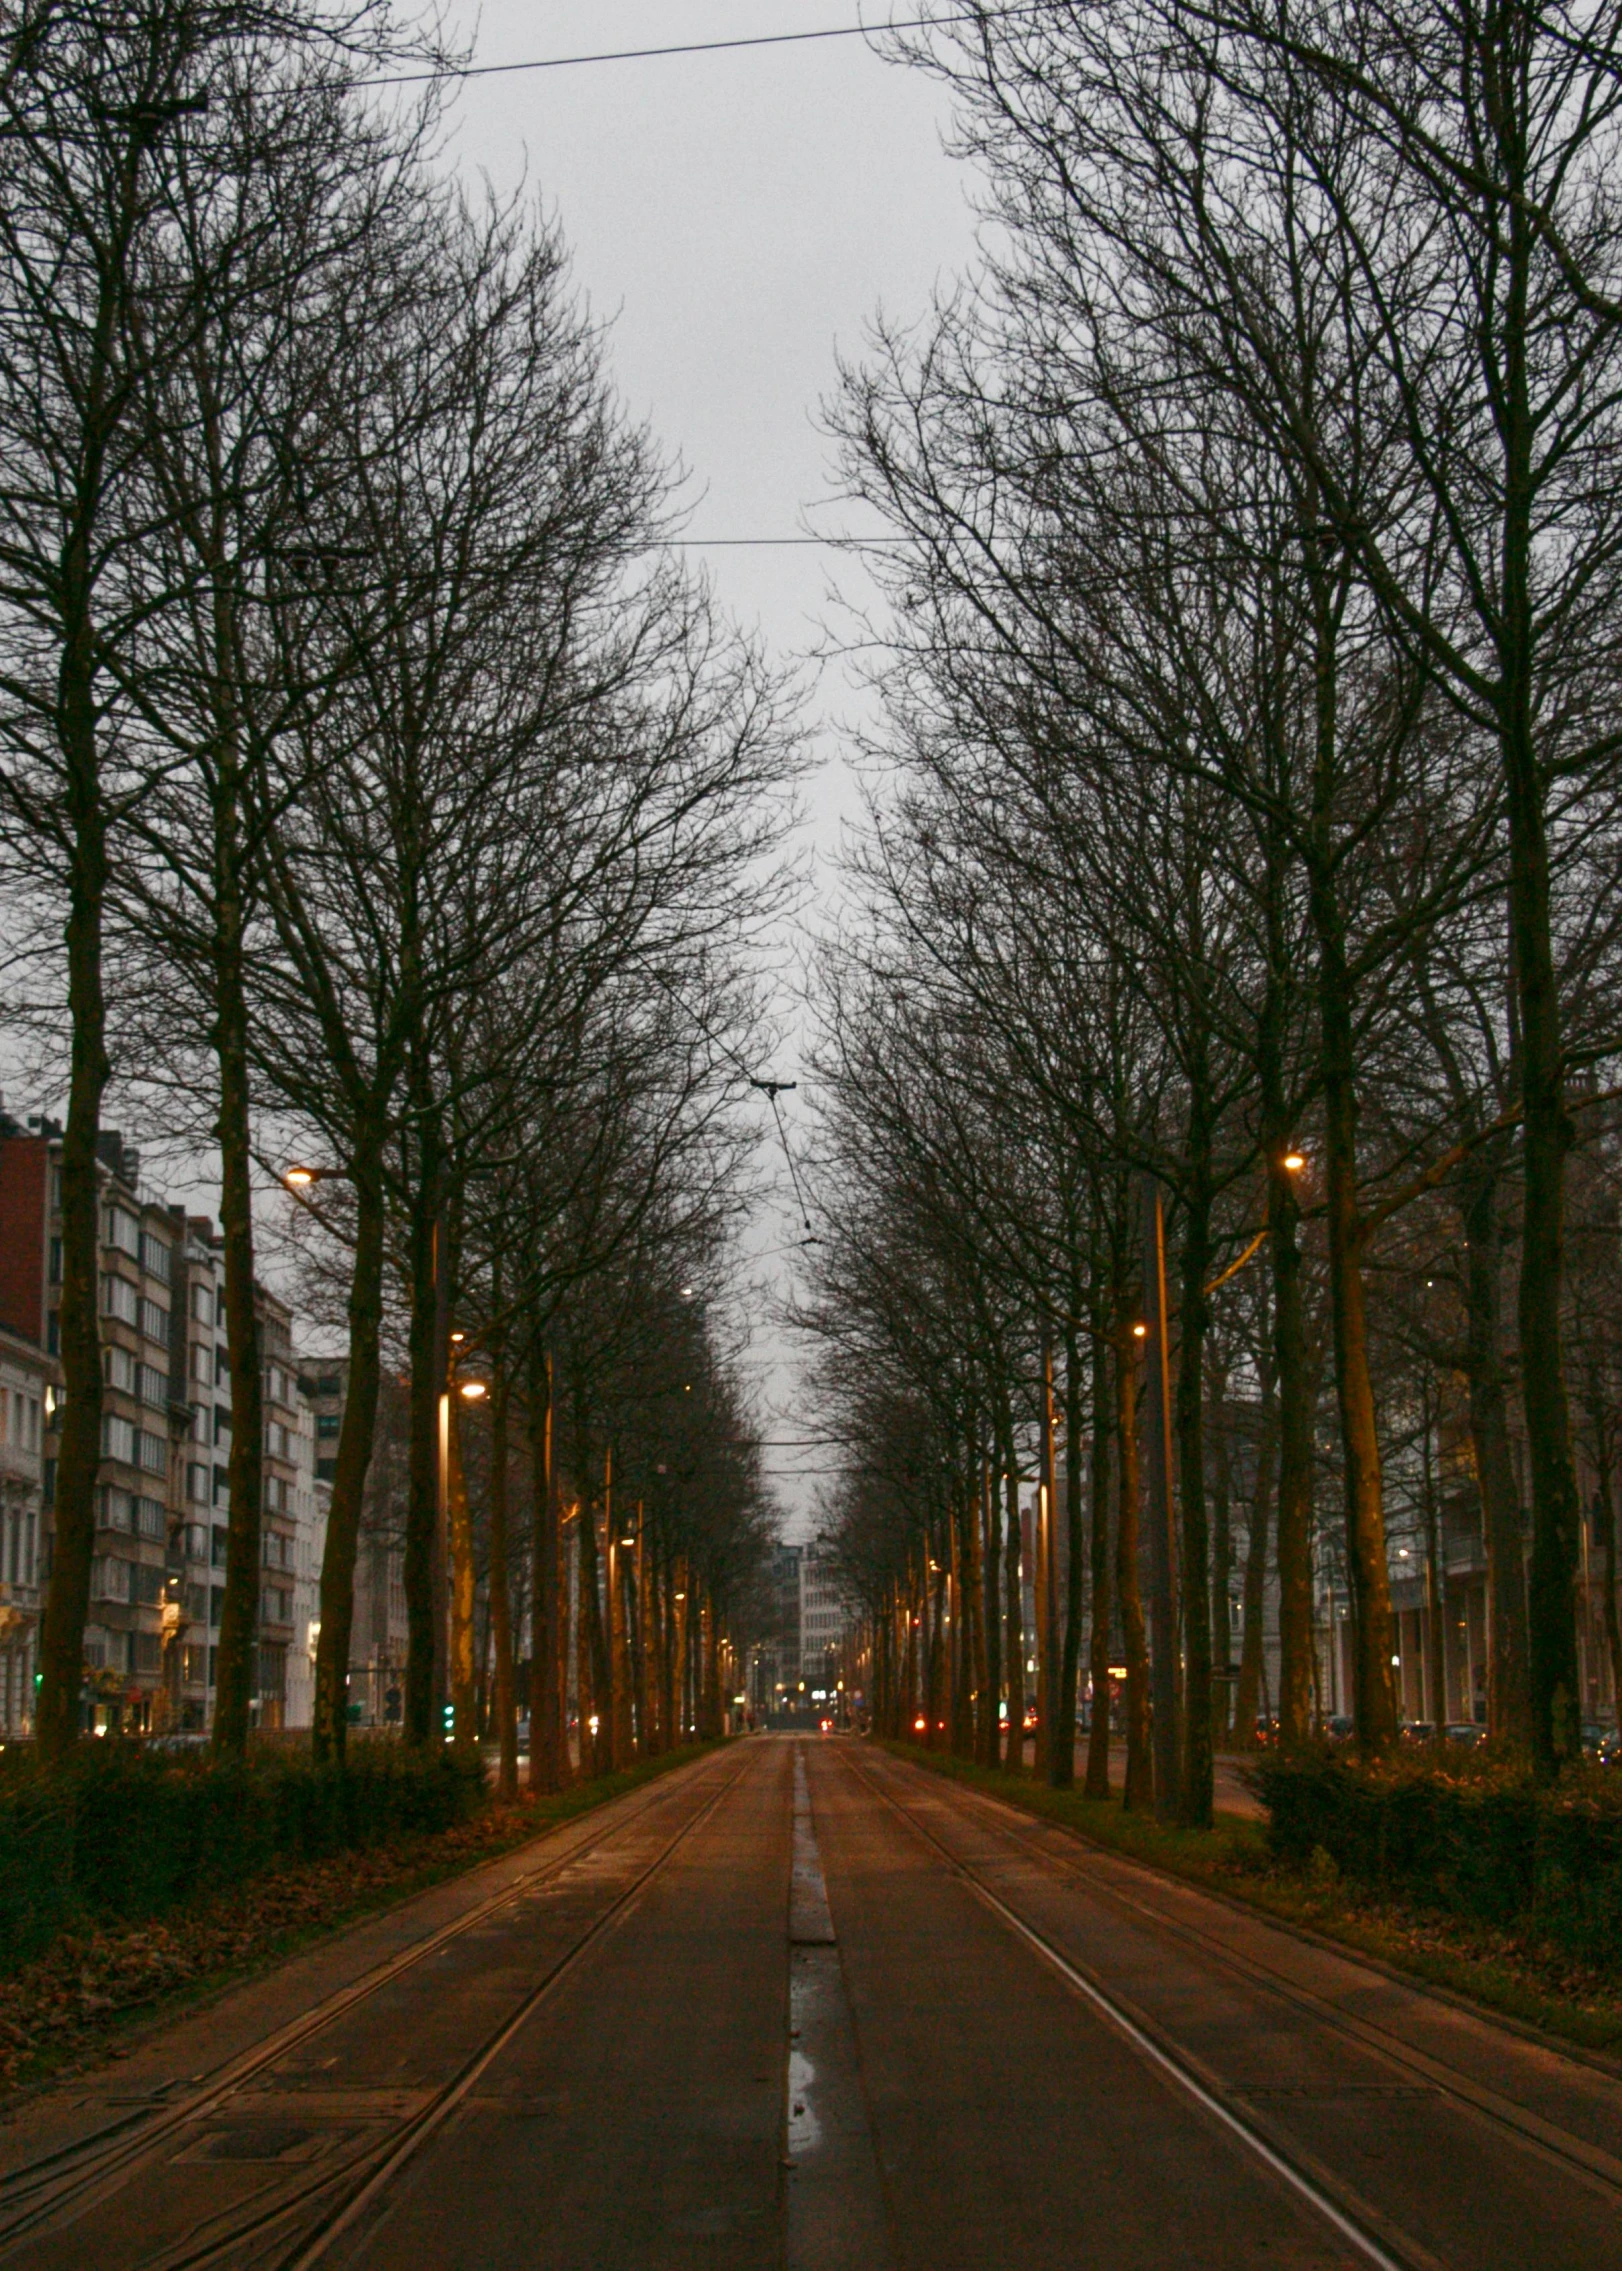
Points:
x=835, y=2213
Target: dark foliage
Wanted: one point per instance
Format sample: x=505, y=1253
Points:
x=124, y=1834
x=1486, y=1843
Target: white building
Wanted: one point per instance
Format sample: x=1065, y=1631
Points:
x=311, y=1500
x=25, y=1378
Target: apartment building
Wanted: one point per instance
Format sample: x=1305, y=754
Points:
x=162, y=1501
x=26, y=1392
x=378, y=1634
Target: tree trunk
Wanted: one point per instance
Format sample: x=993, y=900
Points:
x=596, y=1638
x=991, y=1611
x=1435, y=1589
x=1097, y=1784
x=1139, y=1792
x=1196, y=1794
x=1605, y=1516
x=501, y=1621
x=429, y=1293
x=463, y=1588
x=357, y=1431
x=982, y=1707
x=1014, y=1607
x=1221, y=1556
x=1375, y=1700
x=548, y=1731
x=1062, y=1759
x=1248, y=1694
x=67, y=1600
x=1509, y=1694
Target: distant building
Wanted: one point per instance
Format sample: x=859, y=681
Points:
x=824, y=1625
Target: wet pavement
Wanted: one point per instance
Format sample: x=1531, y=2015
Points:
x=802, y=2006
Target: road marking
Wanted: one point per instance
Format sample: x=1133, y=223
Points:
x=835, y=2217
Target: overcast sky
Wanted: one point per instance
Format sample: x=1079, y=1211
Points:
x=740, y=217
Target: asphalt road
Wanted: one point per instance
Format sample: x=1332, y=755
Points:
x=804, y=2007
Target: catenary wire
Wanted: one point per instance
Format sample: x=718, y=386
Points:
x=689, y=47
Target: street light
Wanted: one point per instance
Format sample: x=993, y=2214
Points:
x=300, y=1177
x=474, y=1390
x=1293, y=1162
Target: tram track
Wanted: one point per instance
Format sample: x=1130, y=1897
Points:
x=59, y=2187
x=1377, y=2239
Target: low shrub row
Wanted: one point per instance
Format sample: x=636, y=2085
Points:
x=124, y=1834
x=1484, y=1843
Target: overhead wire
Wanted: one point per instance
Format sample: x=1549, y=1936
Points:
x=689, y=47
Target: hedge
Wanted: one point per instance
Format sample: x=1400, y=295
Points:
x=122, y=1834
x=1487, y=1844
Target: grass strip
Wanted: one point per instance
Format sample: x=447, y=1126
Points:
x=81, y=2000
x=1503, y=1972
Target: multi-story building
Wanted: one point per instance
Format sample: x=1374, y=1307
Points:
x=27, y=1387
x=824, y=1621
x=162, y=1501
x=378, y=1634
x=141, y=1419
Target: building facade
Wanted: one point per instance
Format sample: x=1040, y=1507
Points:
x=157, y=1582
x=27, y=1387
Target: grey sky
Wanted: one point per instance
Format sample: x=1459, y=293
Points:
x=740, y=216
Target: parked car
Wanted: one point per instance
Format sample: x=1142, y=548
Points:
x=1341, y=1728
x=1419, y=1731
x=1465, y=1733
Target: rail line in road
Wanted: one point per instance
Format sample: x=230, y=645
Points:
x=1377, y=2238
x=58, y=2188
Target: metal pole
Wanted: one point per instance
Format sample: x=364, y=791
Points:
x=1162, y=1541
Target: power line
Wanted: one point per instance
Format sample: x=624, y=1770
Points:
x=688, y=47
x=739, y=543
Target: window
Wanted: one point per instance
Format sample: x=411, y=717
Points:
x=56, y=1190
x=120, y=1369
x=146, y=1585
x=276, y=1605
x=222, y=1422
x=194, y=1666
x=151, y=1521
x=146, y=1652
x=154, y=1452
x=216, y=1601
x=217, y=1553
x=326, y=1423
x=124, y=1232
x=329, y=1384
x=202, y=1301
x=53, y=1334
x=156, y=1256
x=56, y=1261
x=154, y=1387
x=202, y=1362
x=109, y=1578
x=120, y=1299
x=117, y=1438
x=197, y=1484
x=154, y=1321
x=117, y=1509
